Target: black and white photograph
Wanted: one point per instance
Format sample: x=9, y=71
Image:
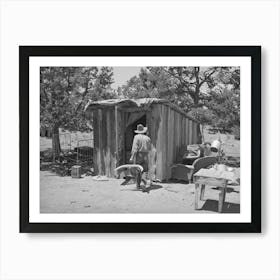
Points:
x=140, y=139
x=119, y=137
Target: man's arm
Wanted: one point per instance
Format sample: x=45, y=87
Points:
x=134, y=149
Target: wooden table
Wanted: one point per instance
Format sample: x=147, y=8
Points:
x=210, y=177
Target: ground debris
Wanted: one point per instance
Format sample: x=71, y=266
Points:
x=62, y=165
x=100, y=178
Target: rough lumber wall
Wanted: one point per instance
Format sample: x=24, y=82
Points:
x=104, y=142
x=169, y=131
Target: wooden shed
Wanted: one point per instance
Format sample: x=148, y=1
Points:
x=115, y=120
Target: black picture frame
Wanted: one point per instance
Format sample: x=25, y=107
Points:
x=25, y=52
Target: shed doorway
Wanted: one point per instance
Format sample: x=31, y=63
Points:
x=133, y=120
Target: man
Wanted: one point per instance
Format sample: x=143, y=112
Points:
x=140, y=153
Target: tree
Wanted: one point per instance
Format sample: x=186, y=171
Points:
x=191, y=80
x=102, y=86
x=63, y=93
x=195, y=89
x=182, y=85
x=225, y=106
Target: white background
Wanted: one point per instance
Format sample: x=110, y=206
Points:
x=138, y=256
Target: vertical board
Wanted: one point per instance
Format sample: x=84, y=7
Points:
x=170, y=142
x=183, y=130
x=175, y=131
x=96, y=142
x=119, y=136
x=116, y=135
x=152, y=122
x=187, y=131
x=159, y=145
x=155, y=133
x=180, y=133
x=149, y=123
x=104, y=142
x=155, y=123
x=190, y=128
x=177, y=124
x=109, y=137
x=99, y=148
x=113, y=142
x=123, y=118
x=164, y=142
x=194, y=132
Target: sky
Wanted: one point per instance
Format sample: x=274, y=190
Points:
x=123, y=74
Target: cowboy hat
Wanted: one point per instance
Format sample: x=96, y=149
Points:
x=141, y=129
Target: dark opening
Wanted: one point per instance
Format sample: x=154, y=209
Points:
x=129, y=135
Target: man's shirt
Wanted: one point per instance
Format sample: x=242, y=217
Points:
x=141, y=143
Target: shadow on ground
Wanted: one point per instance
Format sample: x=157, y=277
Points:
x=212, y=205
x=143, y=189
x=229, y=189
x=152, y=188
x=176, y=181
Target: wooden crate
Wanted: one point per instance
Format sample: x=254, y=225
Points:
x=76, y=171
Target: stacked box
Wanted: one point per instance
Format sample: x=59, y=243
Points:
x=76, y=171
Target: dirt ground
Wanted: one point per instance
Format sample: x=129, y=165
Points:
x=68, y=195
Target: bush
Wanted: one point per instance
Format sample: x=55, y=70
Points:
x=202, y=115
x=236, y=132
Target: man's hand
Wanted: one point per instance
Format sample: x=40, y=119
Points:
x=131, y=160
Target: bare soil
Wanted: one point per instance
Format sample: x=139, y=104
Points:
x=69, y=195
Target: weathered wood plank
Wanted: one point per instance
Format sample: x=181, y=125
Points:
x=156, y=122
x=119, y=139
x=109, y=137
x=178, y=135
x=175, y=132
x=183, y=131
x=167, y=144
x=169, y=138
x=99, y=152
x=111, y=142
x=196, y=196
x=104, y=143
x=187, y=131
x=209, y=181
x=95, y=142
x=180, y=129
x=194, y=136
x=149, y=122
x=124, y=117
x=160, y=136
x=218, y=174
x=173, y=137
x=190, y=132
x=164, y=140
x=222, y=196
x=202, y=192
x=116, y=135
x=133, y=109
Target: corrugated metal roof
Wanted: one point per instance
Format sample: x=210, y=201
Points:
x=144, y=103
